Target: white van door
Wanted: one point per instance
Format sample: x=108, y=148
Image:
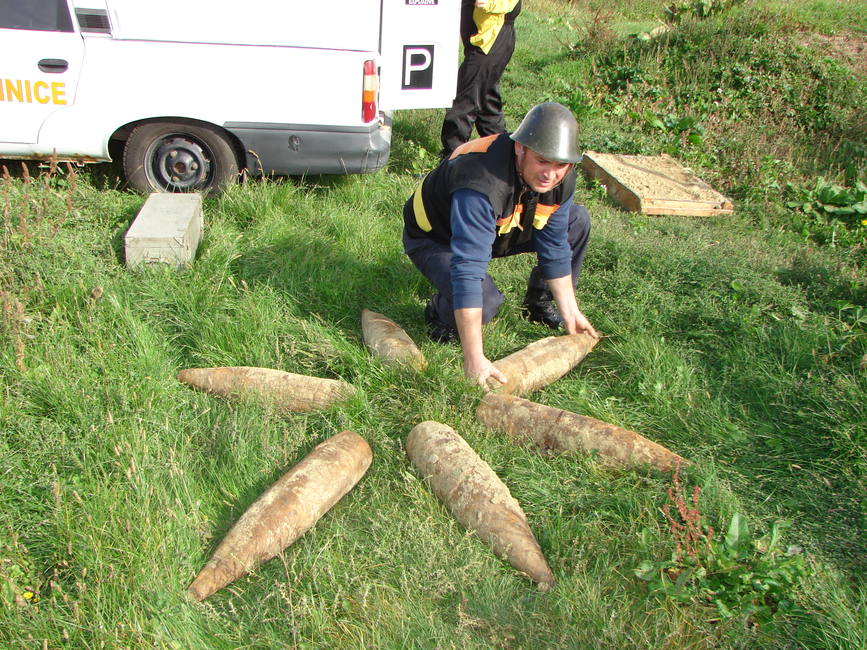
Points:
x=42, y=76
x=420, y=46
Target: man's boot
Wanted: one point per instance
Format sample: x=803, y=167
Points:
x=436, y=329
x=539, y=307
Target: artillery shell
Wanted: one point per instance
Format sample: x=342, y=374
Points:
x=541, y=363
x=387, y=340
x=476, y=497
x=559, y=430
x=286, y=510
x=284, y=390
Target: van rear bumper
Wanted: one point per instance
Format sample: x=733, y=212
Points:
x=293, y=149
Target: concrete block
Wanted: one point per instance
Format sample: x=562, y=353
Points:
x=166, y=230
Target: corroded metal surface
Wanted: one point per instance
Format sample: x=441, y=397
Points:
x=559, y=430
x=284, y=390
x=476, y=497
x=541, y=363
x=286, y=510
x=387, y=340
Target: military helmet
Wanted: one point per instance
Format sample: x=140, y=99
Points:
x=551, y=131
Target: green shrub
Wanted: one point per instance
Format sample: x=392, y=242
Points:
x=739, y=576
x=831, y=213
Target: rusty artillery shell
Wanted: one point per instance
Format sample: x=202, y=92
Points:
x=286, y=510
x=387, y=340
x=541, y=363
x=284, y=390
x=559, y=430
x=476, y=497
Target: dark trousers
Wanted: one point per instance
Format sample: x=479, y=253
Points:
x=434, y=260
x=477, y=100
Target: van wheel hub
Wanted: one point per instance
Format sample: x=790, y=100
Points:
x=179, y=162
x=180, y=156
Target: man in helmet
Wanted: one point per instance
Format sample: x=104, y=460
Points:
x=497, y=196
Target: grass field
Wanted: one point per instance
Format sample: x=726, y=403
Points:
x=738, y=342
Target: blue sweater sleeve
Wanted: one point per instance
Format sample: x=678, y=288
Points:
x=552, y=243
x=473, y=231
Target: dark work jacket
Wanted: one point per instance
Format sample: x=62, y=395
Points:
x=486, y=165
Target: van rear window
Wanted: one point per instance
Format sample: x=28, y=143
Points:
x=38, y=15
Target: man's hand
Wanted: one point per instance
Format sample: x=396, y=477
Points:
x=477, y=367
x=578, y=322
x=564, y=296
x=479, y=370
x=481, y=4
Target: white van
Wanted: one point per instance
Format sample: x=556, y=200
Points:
x=197, y=90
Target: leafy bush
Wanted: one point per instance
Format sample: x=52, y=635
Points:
x=698, y=8
x=831, y=213
x=739, y=576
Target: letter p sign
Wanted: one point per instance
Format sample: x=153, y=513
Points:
x=418, y=63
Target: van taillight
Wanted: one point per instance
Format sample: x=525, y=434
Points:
x=368, y=92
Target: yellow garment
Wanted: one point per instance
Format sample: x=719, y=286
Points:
x=490, y=21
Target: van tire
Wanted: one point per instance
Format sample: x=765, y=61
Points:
x=179, y=156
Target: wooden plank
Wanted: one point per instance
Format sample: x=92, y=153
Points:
x=616, y=190
x=654, y=185
x=685, y=212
